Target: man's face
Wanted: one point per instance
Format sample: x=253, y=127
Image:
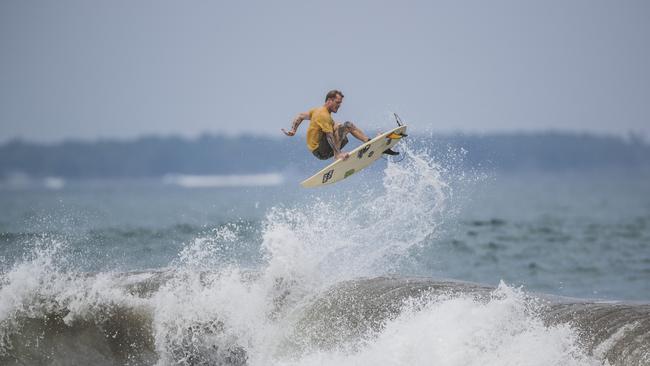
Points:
x=335, y=103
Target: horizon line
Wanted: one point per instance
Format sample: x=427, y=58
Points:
x=637, y=136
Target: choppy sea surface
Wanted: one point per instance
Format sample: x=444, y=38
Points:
x=417, y=262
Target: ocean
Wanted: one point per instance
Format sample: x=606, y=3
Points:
x=421, y=261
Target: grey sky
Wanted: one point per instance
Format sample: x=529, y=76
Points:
x=90, y=69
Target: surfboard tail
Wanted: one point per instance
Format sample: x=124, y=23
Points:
x=396, y=136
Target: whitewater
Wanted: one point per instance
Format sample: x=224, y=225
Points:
x=326, y=281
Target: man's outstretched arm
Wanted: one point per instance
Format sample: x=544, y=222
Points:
x=296, y=122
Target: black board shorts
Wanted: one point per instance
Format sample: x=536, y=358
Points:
x=324, y=150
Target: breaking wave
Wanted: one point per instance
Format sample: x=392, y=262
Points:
x=328, y=291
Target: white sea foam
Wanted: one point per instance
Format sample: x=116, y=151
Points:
x=44, y=285
x=217, y=181
x=451, y=331
x=343, y=238
x=54, y=183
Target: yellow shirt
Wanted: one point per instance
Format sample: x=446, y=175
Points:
x=320, y=122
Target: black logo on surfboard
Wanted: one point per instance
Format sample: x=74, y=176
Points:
x=362, y=151
x=327, y=176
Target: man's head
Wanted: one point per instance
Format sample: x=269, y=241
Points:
x=333, y=100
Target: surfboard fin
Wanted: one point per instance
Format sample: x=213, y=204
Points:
x=395, y=136
x=398, y=120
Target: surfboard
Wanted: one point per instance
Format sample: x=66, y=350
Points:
x=360, y=158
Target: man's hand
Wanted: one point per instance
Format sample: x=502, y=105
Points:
x=296, y=122
x=343, y=155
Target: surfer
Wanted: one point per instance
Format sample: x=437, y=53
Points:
x=325, y=137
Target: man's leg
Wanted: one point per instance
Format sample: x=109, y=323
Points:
x=349, y=127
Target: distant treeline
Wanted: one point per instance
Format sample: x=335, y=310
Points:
x=553, y=151
x=157, y=156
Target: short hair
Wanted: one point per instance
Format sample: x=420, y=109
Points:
x=332, y=94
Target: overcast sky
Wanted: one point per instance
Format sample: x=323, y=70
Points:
x=120, y=69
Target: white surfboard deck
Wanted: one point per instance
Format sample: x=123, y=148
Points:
x=360, y=158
